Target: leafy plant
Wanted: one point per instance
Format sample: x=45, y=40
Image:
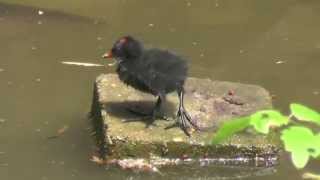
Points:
x=299, y=140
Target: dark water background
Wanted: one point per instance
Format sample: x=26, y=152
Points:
x=275, y=44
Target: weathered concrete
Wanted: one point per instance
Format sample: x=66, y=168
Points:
x=120, y=134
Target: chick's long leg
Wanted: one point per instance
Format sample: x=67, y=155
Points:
x=156, y=111
x=184, y=119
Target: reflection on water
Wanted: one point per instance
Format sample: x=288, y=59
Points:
x=271, y=43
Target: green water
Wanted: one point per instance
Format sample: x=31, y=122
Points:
x=270, y=43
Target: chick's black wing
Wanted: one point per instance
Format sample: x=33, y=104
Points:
x=163, y=71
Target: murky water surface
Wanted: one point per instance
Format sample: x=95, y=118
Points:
x=272, y=43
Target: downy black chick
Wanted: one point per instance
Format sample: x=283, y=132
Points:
x=153, y=71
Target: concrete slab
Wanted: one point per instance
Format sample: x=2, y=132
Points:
x=121, y=134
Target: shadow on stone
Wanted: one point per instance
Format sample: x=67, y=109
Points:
x=125, y=110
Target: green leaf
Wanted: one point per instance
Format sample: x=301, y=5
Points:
x=296, y=138
x=315, y=149
x=302, y=143
x=300, y=159
x=304, y=113
x=229, y=128
x=263, y=120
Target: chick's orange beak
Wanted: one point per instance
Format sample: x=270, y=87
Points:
x=107, y=55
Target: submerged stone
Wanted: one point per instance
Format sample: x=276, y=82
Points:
x=121, y=134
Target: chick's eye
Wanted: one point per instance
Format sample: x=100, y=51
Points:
x=113, y=50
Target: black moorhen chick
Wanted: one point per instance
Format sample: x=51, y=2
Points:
x=153, y=71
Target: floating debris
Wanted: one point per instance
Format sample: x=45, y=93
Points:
x=96, y=21
x=60, y=132
x=99, y=38
x=40, y=12
x=172, y=29
x=39, y=22
x=4, y=164
x=280, y=62
x=98, y=160
x=151, y=25
x=112, y=64
x=38, y=80
x=81, y=64
x=2, y=120
x=1, y=70
x=309, y=175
